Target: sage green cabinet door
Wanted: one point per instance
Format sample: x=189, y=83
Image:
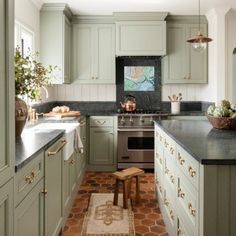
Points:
x=29, y=215
x=94, y=53
x=7, y=126
x=101, y=146
x=53, y=184
x=182, y=63
x=104, y=67
x=72, y=170
x=6, y=209
x=83, y=53
x=197, y=61
x=55, y=36
x=66, y=187
x=175, y=65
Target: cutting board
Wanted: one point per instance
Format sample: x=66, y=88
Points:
x=62, y=114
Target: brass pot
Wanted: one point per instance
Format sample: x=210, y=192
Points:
x=21, y=113
x=129, y=103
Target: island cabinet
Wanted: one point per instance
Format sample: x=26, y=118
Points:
x=102, y=142
x=140, y=38
x=94, y=53
x=183, y=64
x=55, y=40
x=194, y=198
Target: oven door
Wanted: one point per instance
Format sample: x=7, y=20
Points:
x=136, y=147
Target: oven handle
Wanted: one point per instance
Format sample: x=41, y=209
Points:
x=135, y=130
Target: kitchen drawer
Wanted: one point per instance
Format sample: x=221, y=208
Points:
x=189, y=166
x=159, y=136
x=170, y=146
x=101, y=121
x=159, y=185
x=169, y=214
x=159, y=160
x=187, y=202
x=27, y=177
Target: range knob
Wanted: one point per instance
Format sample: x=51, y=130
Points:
x=122, y=120
x=131, y=120
x=141, y=119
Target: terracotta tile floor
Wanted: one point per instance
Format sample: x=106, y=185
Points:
x=147, y=217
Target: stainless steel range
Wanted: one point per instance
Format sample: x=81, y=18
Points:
x=136, y=138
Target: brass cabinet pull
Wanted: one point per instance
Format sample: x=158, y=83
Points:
x=192, y=210
x=44, y=191
x=63, y=143
x=82, y=124
x=179, y=231
x=72, y=161
x=171, y=150
x=181, y=193
x=191, y=171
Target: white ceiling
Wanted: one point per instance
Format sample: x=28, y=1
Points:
x=106, y=7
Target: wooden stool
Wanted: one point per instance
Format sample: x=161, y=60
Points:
x=125, y=176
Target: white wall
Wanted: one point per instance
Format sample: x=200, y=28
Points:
x=231, y=44
x=27, y=13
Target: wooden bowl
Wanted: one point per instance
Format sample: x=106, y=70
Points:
x=222, y=122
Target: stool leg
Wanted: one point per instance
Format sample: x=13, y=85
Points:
x=116, y=193
x=137, y=189
x=125, y=194
x=129, y=187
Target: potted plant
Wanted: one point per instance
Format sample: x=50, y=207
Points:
x=30, y=77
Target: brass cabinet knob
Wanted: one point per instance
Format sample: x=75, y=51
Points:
x=44, y=191
x=181, y=193
x=29, y=179
x=72, y=161
x=191, y=171
x=192, y=210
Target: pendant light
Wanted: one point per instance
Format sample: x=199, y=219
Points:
x=199, y=41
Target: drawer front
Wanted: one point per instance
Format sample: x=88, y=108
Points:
x=181, y=228
x=169, y=146
x=28, y=177
x=169, y=213
x=187, y=202
x=159, y=160
x=101, y=121
x=189, y=166
x=159, y=136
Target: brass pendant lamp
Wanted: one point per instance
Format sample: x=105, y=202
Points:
x=199, y=41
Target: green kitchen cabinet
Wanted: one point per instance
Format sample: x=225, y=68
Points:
x=102, y=143
x=72, y=170
x=7, y=124
x=55, y=40
x=53, y=186
x=29, y=214
x=94, y=53
x=141, y=38
x=182, y=63
x=6, y=209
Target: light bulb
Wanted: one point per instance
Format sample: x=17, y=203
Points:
x=199, y=46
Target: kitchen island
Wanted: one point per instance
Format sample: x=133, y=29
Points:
x=195, y=172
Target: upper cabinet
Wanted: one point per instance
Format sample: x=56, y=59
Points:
x=55, y=40
x=182, y=63
x=94, y=53
x=140, y=38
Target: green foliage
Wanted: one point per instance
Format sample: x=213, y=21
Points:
x=225, y=103
x=210, y=110
x=30, y=75
x=221, y=112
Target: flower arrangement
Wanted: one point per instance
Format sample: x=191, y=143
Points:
x=30, y=75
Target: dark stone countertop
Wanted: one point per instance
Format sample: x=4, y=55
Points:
x=188, y=113
x=30, y=144
x=206, y=144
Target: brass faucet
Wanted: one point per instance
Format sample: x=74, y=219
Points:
x=32, y=115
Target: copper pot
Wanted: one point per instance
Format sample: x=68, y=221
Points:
x=129, y=104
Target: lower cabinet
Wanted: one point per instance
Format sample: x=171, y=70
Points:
x=29, y=214
x=102, y=141
x=53, y=186
x=6, y=209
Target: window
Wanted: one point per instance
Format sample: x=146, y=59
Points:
x=24, y=38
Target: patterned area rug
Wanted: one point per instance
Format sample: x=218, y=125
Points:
x=105, y=219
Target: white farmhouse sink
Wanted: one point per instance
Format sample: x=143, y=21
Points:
x=71, y=130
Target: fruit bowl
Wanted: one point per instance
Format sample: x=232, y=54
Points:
x=222, y=122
